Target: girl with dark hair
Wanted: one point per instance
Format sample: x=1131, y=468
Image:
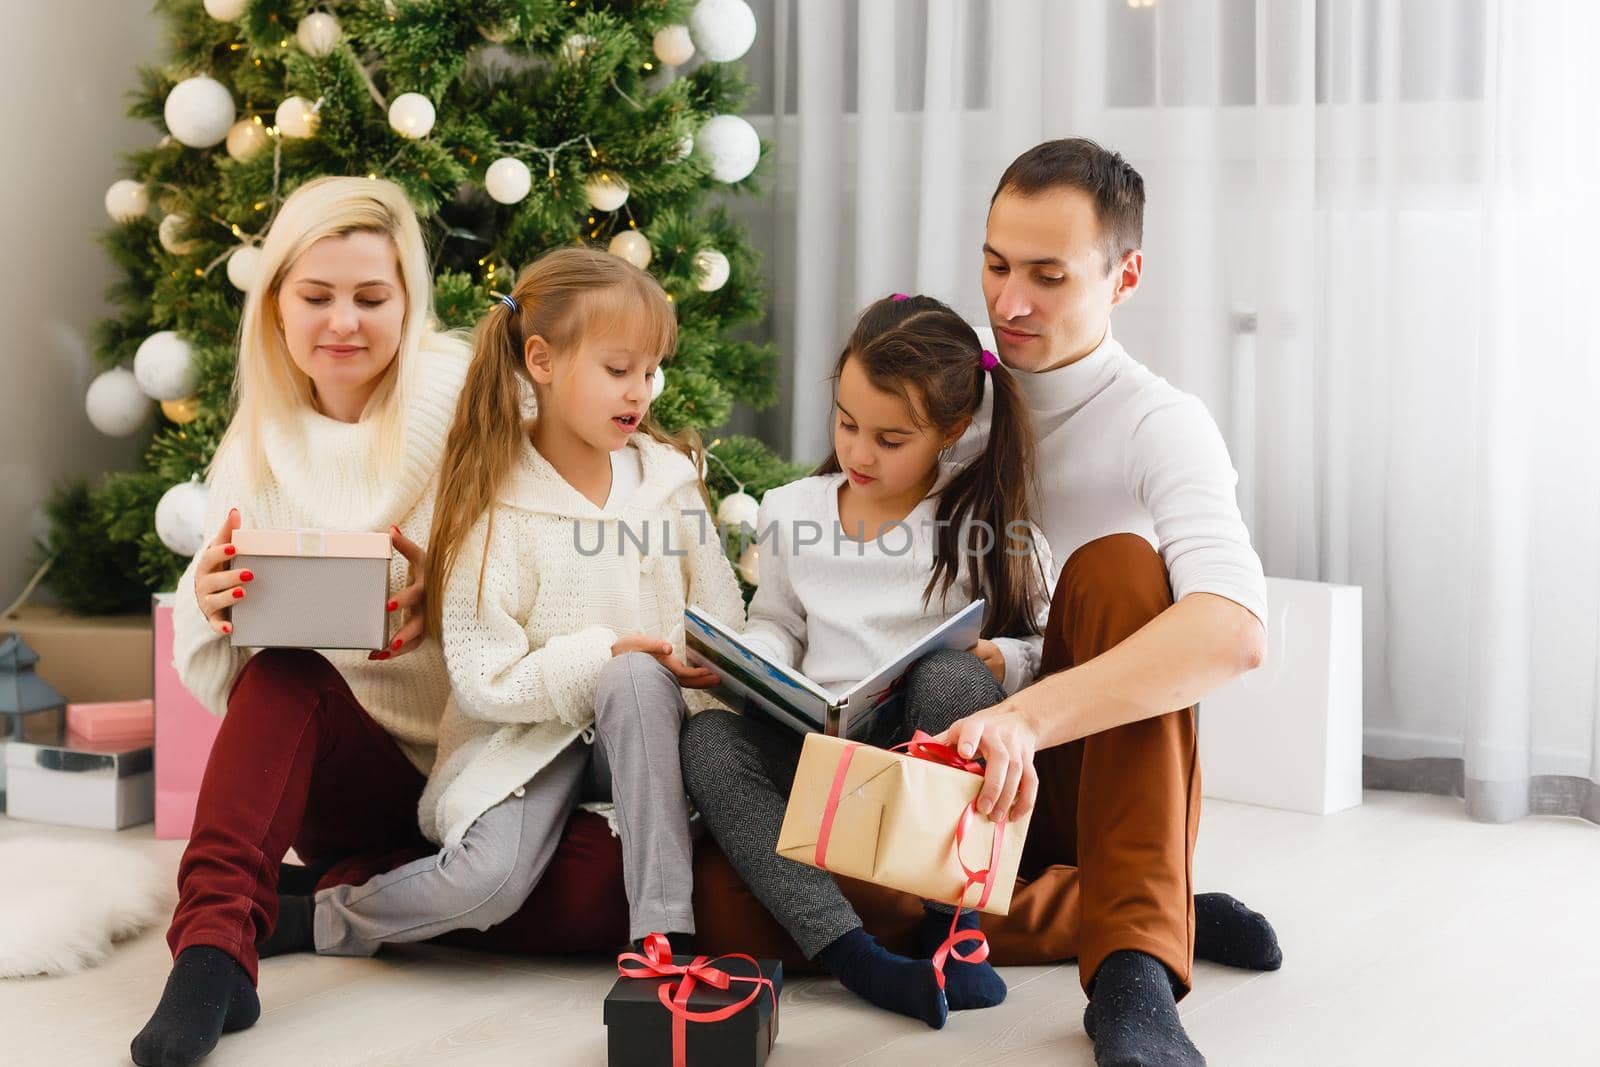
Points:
x=882, y=544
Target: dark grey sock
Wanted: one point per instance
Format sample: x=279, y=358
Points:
x=294, y=931
x=207, y=995
x=1227, y=932
x=1132, y=1017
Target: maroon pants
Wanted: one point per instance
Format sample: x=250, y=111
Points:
x=299, y=762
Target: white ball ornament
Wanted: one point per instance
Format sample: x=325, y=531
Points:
x=658, y=383
x=181, y=518
x=605, y=191
x=723, y=30
x=576, y=46
x=226, y=10
x=295, y=117
x=508, y=180
x=170, y=234
x=199, y=111
x=243, y=263
x=411, y=115
x=632, y=246
x=738, y=510
x=164, y=366
x=126, y=200
x=731, y=147
x=317, y=34
x=750, y=565
x=673, y=45
x=711, y=270
x=246, y=139
x=115, y=404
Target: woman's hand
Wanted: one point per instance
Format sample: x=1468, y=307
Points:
x=216, y=588
x=661, y=651
x=1005, y=739
x=992, y=658
x=412, y=599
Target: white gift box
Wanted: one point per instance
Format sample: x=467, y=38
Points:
x=76, y=783
x=1288, y=734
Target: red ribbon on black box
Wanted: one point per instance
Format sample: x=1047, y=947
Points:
x=657, y=994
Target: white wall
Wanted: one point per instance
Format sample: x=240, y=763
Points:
x=65, y=78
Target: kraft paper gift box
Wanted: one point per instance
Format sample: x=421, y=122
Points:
x=121, y=721
x=78, y=783
x=639, y=1027
x=895, y=824
x=312, y=589
x=88, y=658
x=184, y=733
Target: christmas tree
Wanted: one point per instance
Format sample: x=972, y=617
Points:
x=514, y=126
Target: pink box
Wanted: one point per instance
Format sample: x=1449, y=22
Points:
x=113, y=722
x=312, y=589
x=184, y=733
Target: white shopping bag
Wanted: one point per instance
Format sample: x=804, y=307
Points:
x=1288, y=734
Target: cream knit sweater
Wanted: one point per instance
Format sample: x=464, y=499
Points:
x=563, y=580
x=324, y=476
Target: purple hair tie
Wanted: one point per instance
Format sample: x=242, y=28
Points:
x=989, y=360
x=899, y=296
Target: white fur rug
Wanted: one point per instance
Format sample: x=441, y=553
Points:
x=63, y=903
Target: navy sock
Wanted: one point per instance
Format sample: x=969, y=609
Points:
x=1132, y=1016
x=207, y=995
x=966, y=985
x=1227, y=932
x=293, y=931
x=892, y=982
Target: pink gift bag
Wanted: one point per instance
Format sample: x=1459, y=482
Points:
x=184, y=733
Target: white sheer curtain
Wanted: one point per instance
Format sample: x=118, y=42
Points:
x=1372, y=246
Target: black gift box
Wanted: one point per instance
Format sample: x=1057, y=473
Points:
x=639, y=1027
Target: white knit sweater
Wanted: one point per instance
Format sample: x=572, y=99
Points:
x=324, y=475
x=562, y=582
x=838, y=608
x=1122, y=450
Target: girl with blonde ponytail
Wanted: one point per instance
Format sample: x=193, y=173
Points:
x=564, y=550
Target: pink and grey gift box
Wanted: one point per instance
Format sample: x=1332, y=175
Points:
x=312, y=589
x=75, y=782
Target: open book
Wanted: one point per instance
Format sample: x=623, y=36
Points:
x=749, y=678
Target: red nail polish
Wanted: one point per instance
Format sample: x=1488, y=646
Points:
x=393, y=605
x=228, y=550
x=246, y=576
x=237, y=593
x=383, y=655
x=227, y=629
x=395, y=644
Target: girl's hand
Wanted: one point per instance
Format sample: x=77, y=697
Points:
x=215, y=586
x=661, y=651
x=1005, y=739
x=412, y=599
x=992, y=658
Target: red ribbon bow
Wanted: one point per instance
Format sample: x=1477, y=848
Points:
x=924, y=747
x=656, y=962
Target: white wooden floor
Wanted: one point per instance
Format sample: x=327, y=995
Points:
x=1411, y=936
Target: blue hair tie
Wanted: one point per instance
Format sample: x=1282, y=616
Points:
x=512, y=304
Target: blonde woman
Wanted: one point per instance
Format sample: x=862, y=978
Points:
x=345, y=392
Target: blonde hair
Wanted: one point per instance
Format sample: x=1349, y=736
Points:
x=267, y=386
x=563, y=297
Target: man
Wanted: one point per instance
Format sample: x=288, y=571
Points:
x=1158, y=601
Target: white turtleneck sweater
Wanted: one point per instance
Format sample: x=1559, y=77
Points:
x=1123, y=451
x=324, y=475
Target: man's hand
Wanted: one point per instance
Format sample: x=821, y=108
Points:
x=1005, y=739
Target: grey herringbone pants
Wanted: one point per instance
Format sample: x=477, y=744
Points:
x=739, y=770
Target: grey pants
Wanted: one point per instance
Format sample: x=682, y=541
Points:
x=487, y=877
x=739, y=770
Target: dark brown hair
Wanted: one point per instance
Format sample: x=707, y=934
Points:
x=1079, y=163
x=919, y=349
x=562, y=296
